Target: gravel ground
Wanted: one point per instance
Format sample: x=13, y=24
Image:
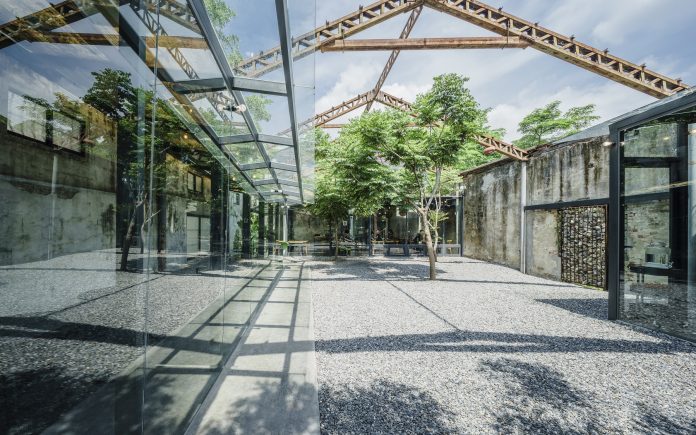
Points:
x=486, y=349
x=70, y=324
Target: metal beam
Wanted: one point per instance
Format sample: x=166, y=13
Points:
x=561, y=46
x=286, y=50
x=425, y=43
x=282, y=166
x=201, y=15
x=58, y=15
x=488, y=142
x=252, y=166
x=350, y=24
x=239, y=138
x=259, y=86
x=258, y=137
x=394, y=54
x=196, y=86
x=276, y=140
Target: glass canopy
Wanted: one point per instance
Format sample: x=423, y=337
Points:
x=249, y=116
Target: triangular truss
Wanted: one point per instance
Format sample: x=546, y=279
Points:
x=514, y=31
x=566, y=48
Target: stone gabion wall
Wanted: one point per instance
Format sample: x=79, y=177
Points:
x=583, y=240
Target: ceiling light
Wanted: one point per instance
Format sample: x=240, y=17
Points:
x=607, y=143
x=237, y=108
x=666, y=138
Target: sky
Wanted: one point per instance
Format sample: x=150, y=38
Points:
x=512, y=82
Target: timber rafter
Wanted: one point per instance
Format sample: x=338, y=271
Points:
x=425, y=43
x=489, y=143
x=31, y=27
x=303, y=45
x=394, y=54
x=561, y=46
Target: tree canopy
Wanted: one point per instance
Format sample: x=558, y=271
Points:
x=549, y=123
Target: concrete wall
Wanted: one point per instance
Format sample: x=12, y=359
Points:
x=569, y=172
x=491, y=217
x=555, y=174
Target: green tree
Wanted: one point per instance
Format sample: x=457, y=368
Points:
x=220, y=16
x=420, y=160
x=331, y=202
x=131, y=108
x=549, y=123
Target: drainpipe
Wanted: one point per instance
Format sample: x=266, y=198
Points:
x=523, y=217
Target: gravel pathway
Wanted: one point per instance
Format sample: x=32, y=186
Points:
x=486, y=349
x=68, y=325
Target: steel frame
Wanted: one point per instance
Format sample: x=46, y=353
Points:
x=394, y=54
x=239, y=84
x=566, y=48
x=488, y=142
x=476, y=42
x=303, y=45
x=201, y=15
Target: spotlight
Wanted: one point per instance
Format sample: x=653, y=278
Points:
x=607, y=143
x=666, y=138
x=237, y=108
x=185, y=135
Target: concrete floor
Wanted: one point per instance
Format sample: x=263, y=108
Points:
x=268, y=385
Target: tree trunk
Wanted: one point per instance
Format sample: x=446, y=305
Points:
x=336, y=242
x=127, y=242
x=428, y=243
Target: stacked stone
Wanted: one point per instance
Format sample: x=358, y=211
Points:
x=583, y=245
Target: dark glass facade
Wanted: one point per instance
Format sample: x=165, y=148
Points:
x=657, y=219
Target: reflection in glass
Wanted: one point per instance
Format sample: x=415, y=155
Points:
x=657, y=283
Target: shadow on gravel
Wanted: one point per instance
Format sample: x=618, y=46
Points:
x=594, y=308
x=376, y=270
x=383, y=407
x=537, y=399
x=504, y=342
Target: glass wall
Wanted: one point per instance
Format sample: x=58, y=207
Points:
x=657, y=224
x=124, y=212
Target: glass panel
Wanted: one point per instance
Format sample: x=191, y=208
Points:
x=280, y=153
x=657, y=140
x=252, y=30
x=245, y=153
x=269, y=112
x=259, y=174
x=211, y=108
x=286, y=175
x=117, y=225
x=657, y=283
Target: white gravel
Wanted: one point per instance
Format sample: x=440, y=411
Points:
x=486, y=349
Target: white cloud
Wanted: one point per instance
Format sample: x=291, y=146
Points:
x=513, y=81
x=353, y=80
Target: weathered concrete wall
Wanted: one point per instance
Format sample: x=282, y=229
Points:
x=555, y=174
x=41, y=219
x=541, y=247
x=569, y=172
x=492, y=215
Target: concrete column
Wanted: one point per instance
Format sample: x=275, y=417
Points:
x=523, y=217
x=262, y=229
x=285, y=211
x=246, y=226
